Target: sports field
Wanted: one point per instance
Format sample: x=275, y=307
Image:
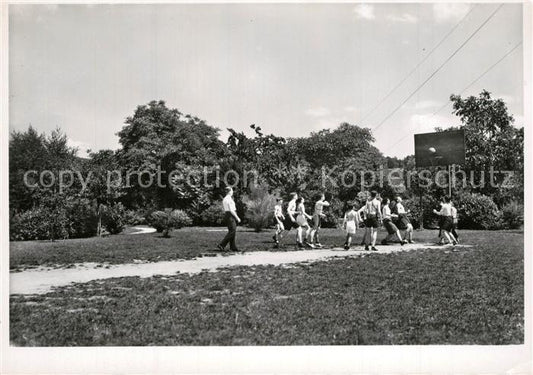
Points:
x=427, y=296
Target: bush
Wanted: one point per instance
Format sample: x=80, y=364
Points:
x=259, y=207
x=477, y=211
x=82, y=218
x=512, y=215
x=113, y=218
x=164, y=221
x=213, y=215
x=39, y=224
x=134, y=217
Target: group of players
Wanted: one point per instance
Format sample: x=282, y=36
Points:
x=374, y=212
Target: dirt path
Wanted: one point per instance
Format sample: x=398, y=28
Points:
x=42, y=280
x=142, y=230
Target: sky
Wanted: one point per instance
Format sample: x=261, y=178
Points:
x=292, y=69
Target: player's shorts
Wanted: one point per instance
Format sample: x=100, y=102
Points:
x=389, y=225
x=371, y=221
x=350, y=227
x=446, y=223
x=317, y=221
x=301, y=220
x=403, y=221
x=289, y=224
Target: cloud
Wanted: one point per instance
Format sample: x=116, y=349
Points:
x=506, y=98
x=350, y=109
x=81, y=146
x=518, y=121
x=449, y=12
x=427, y=122
x=317, y=112
x=364, y=11
x=403, y=18
x=329, y=122
x=427, y=104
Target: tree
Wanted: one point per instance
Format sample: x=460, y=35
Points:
x=492, y=142
x=26, y=152
x=157, y=139
x=30, y=151
x=327, y=147
x=102, y=188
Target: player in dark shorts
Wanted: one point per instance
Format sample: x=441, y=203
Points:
x=290, y=218
x=373, y=217
x=392, y=229
x=403, y=222
x=317, y=219
x=446, y=220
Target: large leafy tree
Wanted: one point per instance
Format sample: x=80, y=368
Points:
x=158, y=137
x=30, y=151
x=336, y=159
x=327, y=147
x=492, y=142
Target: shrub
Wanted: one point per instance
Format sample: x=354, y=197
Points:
x=164, y=221
x=113, y=218
x=134, y=217
x=82, y=218
x=213, y=215
x=512, y=215
x=39, y=224
x=477, y=211
x=259, y=207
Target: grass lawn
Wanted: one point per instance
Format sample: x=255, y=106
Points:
x=185, y=243
x=474, y=296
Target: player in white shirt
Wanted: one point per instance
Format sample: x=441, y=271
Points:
x=389, y=225
x=403, y=220
x=301, y=220
x=446, y=220
x=279, y=217
x=350, y=224
x=290, y=218
x=455, y=222
x=232, y=219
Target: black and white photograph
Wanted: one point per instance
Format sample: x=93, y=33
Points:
x=296, y=178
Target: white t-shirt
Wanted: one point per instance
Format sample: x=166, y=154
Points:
x=446, y=210
x=277, y=211
x=386, y=212
x=228, y=204
x=399, y=208
x=291, y=208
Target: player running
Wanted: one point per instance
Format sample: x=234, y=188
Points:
x=290, y=218
x=373, y=219
x=317, y=219
x=392, y=229
x=446, y=220
x=350, y=224
x=279, y=217
x=301, y=220
x=455, y=222
x=403, y=220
